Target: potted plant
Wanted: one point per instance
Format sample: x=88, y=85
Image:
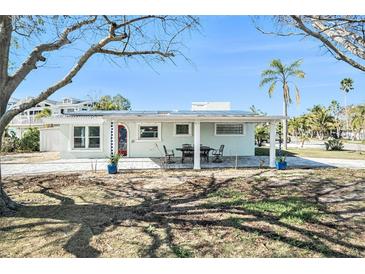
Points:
x=280, y=163
x=113, y=163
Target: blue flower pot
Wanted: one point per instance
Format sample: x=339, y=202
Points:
x=281, y=165
x=112, y=169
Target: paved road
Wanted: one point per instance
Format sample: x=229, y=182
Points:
x=74, y=165
x=320, y=145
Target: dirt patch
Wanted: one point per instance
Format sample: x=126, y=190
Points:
x=27, y=158
x=208, y=213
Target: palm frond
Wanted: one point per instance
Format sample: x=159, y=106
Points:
x=269, y=72
x=276, y=63
x=297, y=95
x=267, y=80
x=298, y=73
x=295, y=65
x=271, y=88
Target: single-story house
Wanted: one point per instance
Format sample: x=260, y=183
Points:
x=98, y=134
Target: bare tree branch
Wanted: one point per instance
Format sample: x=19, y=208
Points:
x=339, y=54
x=341, y=36
x=131, y=53
x=36, y=55
x=10, y=114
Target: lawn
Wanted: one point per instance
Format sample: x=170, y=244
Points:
x=183, y=213
x=354, y=142
x=314, y=153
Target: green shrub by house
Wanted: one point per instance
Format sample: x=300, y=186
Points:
x=30, y=140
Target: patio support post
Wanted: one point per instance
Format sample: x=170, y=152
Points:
x=196, y=145
x=272, y=143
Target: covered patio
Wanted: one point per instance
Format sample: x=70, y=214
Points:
x=197, y=145
x=202, y=136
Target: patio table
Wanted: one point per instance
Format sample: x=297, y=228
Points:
x=188, y=152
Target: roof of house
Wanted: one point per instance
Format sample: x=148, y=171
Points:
x=163, y=113
x=98, y=116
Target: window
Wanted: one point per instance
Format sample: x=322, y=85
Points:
x=182, y=129
x=86, y=137
x=79, y=137
x=94, y=137
x=229, y=129
x=148, y=132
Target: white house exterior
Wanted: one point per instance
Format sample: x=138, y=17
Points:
x=28, y=118
x=98, y=134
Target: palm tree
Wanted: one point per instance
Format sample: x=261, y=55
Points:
x=335, y=109
x=347, y=86
x=320, y=120
x=299, y=127
x=279, y=73
x=358, y=119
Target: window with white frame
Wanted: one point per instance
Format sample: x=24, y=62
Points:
x=148, y=132
x=182, y=129
x=229, y=129
x=86, y=137
x=79, y=137
x=94, y=137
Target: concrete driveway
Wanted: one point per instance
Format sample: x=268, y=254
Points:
x=74, y=165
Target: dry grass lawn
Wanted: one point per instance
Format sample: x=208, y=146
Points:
x=315, y=153
x=208, y=213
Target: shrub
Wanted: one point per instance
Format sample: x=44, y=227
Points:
x=334, y=144
x=30, y=140
x=10, y=142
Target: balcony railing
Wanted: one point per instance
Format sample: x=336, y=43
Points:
x=25, y=120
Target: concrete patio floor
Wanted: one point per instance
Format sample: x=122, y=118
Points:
x=73, y=165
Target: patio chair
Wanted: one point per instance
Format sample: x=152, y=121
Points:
x=187, y=153
x=168, y=155
x=218, y=154
x=204, y=154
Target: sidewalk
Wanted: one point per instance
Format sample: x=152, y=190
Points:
x=74, y=165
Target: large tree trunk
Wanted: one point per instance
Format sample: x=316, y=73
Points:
x=285, y=125
x=6, y=204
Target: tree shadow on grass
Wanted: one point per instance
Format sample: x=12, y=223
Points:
x=192, y=206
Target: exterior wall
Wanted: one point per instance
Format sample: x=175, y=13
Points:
x=67, y=151
x=234, y=145
x=149, y=148
x=50, y=139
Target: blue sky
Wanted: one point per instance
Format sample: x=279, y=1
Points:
x=228, y=56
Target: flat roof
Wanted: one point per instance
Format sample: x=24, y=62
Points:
x=96, y=116
x=163, y=113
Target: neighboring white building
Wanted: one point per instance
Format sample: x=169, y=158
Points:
x=210, y=106
x=98, y=134
x=28, y=118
